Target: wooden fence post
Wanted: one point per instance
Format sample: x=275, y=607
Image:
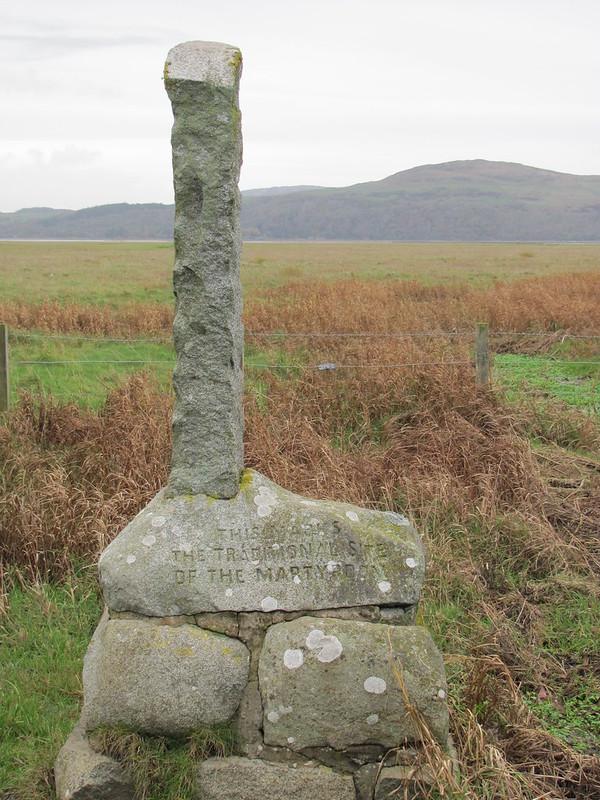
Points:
x=482, y=354
x=4, y=386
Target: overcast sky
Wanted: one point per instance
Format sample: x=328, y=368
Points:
x=334, y=92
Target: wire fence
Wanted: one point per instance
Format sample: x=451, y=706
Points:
x=480, y=337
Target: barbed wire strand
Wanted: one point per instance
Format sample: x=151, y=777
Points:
x=15, y=334
x=331, y=366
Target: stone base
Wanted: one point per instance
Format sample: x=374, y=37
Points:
x=82, y=774
x=289, y=620
x=248, y=779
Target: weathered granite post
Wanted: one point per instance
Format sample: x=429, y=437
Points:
x=229, y=599
x=202, y=80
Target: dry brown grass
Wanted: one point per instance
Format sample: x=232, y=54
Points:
x=554, y=303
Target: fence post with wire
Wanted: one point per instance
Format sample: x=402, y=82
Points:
x=4, y=371
x=482, y=354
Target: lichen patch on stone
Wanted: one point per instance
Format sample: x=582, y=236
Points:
x=269, y=604
x=384, y=586
x=149, y=540
x=326, y=648
x=375, y=685
x=352, y=516
x=293, y=658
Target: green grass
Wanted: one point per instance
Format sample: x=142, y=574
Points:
x=572, y=634
x=42, y=642
x=575, y=384
x=92, y=376
x=572, y=627
x=89, y=379
x=117, y=273
x=163, y=768
x=575, y=719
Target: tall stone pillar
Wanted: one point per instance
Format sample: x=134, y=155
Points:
x=202, y=81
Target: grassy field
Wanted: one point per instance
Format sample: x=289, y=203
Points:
x=119, y=273
x=504, y=484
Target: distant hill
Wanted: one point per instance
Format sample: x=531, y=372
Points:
x=456, y=201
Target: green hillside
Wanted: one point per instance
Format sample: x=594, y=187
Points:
x=456, y=201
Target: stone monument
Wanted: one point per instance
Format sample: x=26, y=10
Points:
x=229, y=599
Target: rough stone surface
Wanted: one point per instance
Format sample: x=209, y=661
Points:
x=336, y=683
x=159, y=679
x=410, y=782
x=263, y=550
x=398, y=615
x=246, y=779
x=348, y=760
x=248, y=722
x=82, y=774
x=202, y=81
x=226, y=623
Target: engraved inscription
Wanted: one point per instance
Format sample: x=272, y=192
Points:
x=253, y=560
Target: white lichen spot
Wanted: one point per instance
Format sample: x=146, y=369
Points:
x=273, y=716
x=290, y=740
x=372, y=719
x=441, y=694
x=149, y=540
x=266, y=501
x=352, y=515
x=326, y=648
x=331, y=648
x=285, y=710
x=297, y=579
x=293, y=659
x=264, y=511
x=130, y=559
x=268, y=604
x=332, y=566
x=384, y=586
x=411, y=562
x=309, y=502
x=375, y=685
x=228, y=592
x=158, y=522
x=275, y=546
x=313, y=638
